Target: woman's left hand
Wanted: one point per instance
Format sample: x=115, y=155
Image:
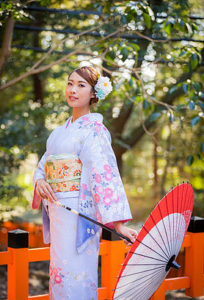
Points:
x=126, y=231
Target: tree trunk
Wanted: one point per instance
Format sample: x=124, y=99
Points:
x=6, y=43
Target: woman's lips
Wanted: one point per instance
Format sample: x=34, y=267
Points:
x=72, y=98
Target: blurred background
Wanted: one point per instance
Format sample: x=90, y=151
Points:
x=153, y=52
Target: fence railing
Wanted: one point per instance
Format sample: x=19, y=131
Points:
x=112, y=254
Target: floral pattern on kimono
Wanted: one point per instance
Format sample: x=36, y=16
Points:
x=101, y=195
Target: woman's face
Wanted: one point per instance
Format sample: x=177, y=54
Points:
x=78, y=91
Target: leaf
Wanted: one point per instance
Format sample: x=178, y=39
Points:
x=196, y=86
x=168, y=27
x=198, y=156
x=182, y=26
x=130, y=82
x=182, y=53
x=195, y=120
x=185, y=88
x=201, y=104
x=173, y=89
x=194, y=26
x=124, y=20
x=145, y=104
x=190, y=160
x=112, y=54
x=155, y=116
x=147, y=20
x=180, y=107
x=124, y=53
x=194, y=61
x=171, y=117
x=201, y=95
x=191, y=105
x=189, y=28
x=202, y=147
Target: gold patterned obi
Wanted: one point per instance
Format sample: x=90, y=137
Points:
x=63, y=172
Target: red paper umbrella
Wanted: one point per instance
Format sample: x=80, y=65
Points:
x=156, y=247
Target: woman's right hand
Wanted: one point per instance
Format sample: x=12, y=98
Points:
x=44, y=190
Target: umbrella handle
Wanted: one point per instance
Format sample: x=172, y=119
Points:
x=93, y=221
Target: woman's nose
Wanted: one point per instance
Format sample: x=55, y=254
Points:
x=73, y=89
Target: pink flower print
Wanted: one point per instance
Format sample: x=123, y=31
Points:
x=97, y=178
x=85, y=120
x=58, y=279
x=116, y=199
x=84, y=186
x=108, y=192
x=93, y=286
x=107, y=200
x=98, y=217
x=54, y=271
x=99, y=189
x=97, y=198
x=108, y=176
x=83, y=196
x=107, y=168
x=98, y=126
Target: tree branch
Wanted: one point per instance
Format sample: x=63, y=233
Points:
x=59, y=61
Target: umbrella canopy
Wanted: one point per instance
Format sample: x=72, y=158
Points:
x=156, y=247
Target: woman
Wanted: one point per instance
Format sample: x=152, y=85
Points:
x=79, y=170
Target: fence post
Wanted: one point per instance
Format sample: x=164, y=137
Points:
x=111, y=263
x=18, y=268
x=194, y=257
x=159, y=294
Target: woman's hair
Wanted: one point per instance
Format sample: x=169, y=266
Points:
x=91, y=75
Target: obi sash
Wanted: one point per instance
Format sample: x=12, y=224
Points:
x=63, y=172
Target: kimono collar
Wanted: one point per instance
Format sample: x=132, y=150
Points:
x=90, y=117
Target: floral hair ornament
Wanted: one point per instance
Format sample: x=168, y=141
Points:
x=103, y=87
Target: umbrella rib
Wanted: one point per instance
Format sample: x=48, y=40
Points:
x=155, y=241
x=139, y=284
x=151, y=248
x=164, y=228
x=122, y=276
x=135, y=286
x=165, y=261
x=144, y=265
x=169, y=223
x=158, y=231
x=147, y=291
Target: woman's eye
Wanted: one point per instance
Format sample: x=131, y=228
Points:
x=69, y=83
x=81, y=85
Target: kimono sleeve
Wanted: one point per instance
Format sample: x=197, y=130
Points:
x=106, y=186
x=39, y=174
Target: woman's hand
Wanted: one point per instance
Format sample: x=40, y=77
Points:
x=44, y=190
x=126, y=231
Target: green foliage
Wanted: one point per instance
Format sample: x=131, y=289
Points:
x=25, y=125
x=14, y=9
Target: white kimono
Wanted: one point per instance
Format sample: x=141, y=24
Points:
x=74, y=240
